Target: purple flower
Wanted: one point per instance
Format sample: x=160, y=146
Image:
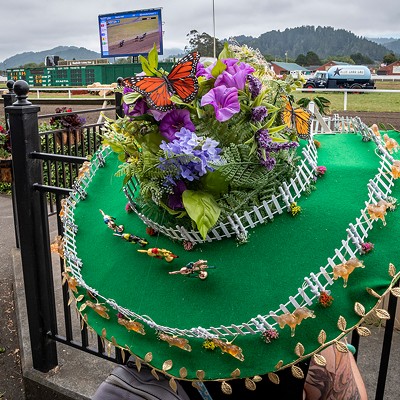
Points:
x=255, y=86
x=174, y=121
x=202, y=71
x=224, y=100
x=137, y=109
x=158, y=115
x=266, y=145
x=259, y=113
x=189, y=155
x=175, y=199
x=235, y=74
x=127, y=90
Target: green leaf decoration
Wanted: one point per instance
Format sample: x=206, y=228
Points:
x=153, y=58
x=226, y=53
x=202, y=209
x=215, y=183
x=218, y=69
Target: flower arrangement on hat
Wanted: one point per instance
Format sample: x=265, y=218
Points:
x=214, y=148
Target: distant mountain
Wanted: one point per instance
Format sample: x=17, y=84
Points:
x=64, y=52
x=394, y=46
x=381, y=40
x=324, y=41
x=172, y=52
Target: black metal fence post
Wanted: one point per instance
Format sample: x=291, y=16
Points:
x=9, y=98
x=119, y=111
x=34, y=239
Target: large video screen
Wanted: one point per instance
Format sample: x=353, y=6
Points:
x=130, y=33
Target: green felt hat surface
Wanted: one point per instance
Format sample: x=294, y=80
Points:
x=248, y=280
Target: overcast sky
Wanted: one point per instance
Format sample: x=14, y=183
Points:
x=41, y=25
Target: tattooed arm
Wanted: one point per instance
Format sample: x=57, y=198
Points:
x=340, y=379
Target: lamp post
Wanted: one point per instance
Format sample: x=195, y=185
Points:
x=213, y=12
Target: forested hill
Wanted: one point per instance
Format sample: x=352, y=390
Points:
x=64, y=52
x=324, y=41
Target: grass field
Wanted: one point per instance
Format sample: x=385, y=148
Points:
x=370, y=102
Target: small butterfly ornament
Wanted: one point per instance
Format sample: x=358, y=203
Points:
x=298, y=119
x=157, y=90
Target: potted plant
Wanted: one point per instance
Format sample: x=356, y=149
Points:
x=70, y=123
x=5, y=156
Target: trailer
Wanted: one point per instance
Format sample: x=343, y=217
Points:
x=342, y=77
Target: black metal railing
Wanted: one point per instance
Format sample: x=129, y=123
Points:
x=45, y=165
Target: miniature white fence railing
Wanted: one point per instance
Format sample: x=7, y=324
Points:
x=236, y=225
x=357, y=232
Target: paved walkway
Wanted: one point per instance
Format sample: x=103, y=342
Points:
x=78, y=374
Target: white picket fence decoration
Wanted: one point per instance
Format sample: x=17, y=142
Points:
x=236, y=225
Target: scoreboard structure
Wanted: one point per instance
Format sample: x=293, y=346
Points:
x=77, y=75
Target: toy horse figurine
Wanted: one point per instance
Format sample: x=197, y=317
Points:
x=132, y=325
x=378, y=211
x=375, y=130
x=396, y=169
x=344, y=269
x=390, y=144
x=228, y=347
x=293, y=319
x=175, y=341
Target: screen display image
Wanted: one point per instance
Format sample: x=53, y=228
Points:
x=130, y=33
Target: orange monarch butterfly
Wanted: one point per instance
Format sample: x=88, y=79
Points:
x=181, y=81
x=297, y=118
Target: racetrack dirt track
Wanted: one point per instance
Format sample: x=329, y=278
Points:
x=134, y=46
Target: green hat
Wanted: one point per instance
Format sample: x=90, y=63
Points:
x=268, y=252
x=251, y=282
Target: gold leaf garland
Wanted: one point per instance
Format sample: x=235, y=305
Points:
x=299, y=349
x=183, y=372
x=154, y=373
x=235, y=373
x=340, y=346
x=173, y=385
x=395, y=291
x=297, y=372
x=342, y=323
x=359, y=309
x=148, y=357
x=274, y=378
x=200, y=374
x=167, y=365
x=250, y=385
x=138, y=364
x=382, y=314
x=363, y=331
x=373, y=293
x=322, y=337
x=319, y=360
x=226, y=388
x=392, y=270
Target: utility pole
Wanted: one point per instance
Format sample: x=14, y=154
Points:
x=213, y=12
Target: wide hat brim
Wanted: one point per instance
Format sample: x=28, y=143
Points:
x=251, y=279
